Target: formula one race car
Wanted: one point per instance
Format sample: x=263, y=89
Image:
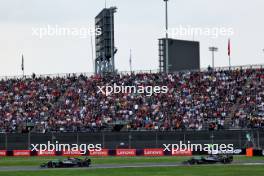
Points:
x=69, y=162
x=211, y=159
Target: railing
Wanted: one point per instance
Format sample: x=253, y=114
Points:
x=89, y=74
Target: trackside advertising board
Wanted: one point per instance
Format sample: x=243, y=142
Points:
x=126, y=152
x=21, y=153
x=181, y=153
x=153, y=152
x=2, y=152
x=103, y=152
x=46, y=153
x=71, y=153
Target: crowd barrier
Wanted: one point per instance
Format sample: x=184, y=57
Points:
x=123, y=153
x=99, y=153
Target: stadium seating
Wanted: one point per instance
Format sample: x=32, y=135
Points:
x=196, y=100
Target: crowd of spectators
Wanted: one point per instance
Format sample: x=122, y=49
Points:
x=195, y=100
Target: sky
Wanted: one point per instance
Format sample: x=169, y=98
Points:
x=138, y=23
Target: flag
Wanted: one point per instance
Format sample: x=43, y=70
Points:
x=130, y=61
x=22, y=64
x=130, y=58
x=229, y=48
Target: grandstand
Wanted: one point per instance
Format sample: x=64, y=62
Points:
x=67, y=108
x=224, y=98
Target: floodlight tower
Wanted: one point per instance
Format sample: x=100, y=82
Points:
x=105, y=43
x=167, y=36
x=213, y=50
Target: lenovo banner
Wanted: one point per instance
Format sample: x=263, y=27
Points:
x=72, y=153
x=46, y=153
x=103, y=152
x=2, y=152
x=125, y=152
x=153, y=152
x=181, y=153
x=21, y=152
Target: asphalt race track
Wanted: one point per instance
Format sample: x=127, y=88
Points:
x=113, y=166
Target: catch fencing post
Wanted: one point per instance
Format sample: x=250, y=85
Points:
x=239, y=138
x=77, y=138
x=184, y=138
x=103, y=139
x=129, y=140
x=156, y=140
x=29, y=140
x=6, y=141
x=258, y=139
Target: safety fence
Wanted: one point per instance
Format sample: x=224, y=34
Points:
x=138, y=140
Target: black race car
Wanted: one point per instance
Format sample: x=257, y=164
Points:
x=211, y=159
x=69, y=162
